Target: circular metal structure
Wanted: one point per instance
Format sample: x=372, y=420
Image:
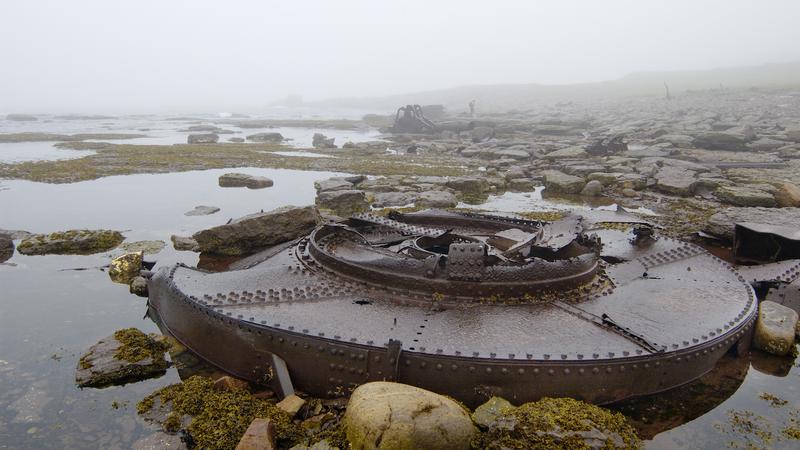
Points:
x=596, y=307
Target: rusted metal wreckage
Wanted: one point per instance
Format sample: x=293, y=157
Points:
x=410, y=119
x=596, y=307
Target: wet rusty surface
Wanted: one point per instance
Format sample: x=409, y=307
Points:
x=469, y=306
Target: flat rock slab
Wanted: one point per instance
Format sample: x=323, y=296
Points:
x=251, y=233
x=244, y=180
x=80, y=242
x=744, y=196
x=146, y=247
x=343, y=202
x=436, y=199
x=202, y=211
x=104, y=365
x=561, y=183
x=722, y=223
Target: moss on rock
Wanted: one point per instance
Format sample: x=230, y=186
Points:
x=71, y=242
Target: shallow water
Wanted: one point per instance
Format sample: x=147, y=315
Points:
x=52, y=308
x=18, y=152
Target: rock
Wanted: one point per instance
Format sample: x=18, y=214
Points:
x=468, y=185
x=607, y=179
x=266, y=137
x=343, y=202
x=333, y=184
x=775, y=328
x=319, y=140
x=521, y=185
x=160, y=441
x=558, y=423
x=77, y=242
x=384, y=415
x=787, y=195
x=253, y=232
x=512, y=153
x=138, y=286
x=793, y=134
x=244, y=180
x=146, y=247
x=720, y=141
x=675, y=181
x=630, y=193
x=481, y=134
x=569, y=152
x=6, y=248
x=21, y=117
x=127, y=355
x=721, y=224
x=229, y=383
x=260, y=435
x=557, y=182
x=436, y=199
x=123, y=269
x=593, y=188
x=206, y=138
x=291, y=404
x=184, y=243
x=393, y=199
x=494, y=414
x=16, y=234
x=744, y=196
x=202, y=211
x=236, y=140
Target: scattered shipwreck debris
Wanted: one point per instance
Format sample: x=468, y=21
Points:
x=410, y=119
x=765, y=243
x=467, y=305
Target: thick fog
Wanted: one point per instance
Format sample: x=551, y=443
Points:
x=116, y=56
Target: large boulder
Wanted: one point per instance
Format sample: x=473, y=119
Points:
x=468, y=185
x=343, y=202
x=384, y=415
x=552, y=423
x=274, y=138
x=319, y=140
x=721, y=224
x=720, y=141
x=6, y=248
x=557, y=182
x=481, y=134
x=72, y=242
x=675, y=181
x=251, y=233
x=206, y=138
x=436, y=199
x=593, y=188
x=775, y=328
x=744, y=196
x=127, y=355
x=244, y=180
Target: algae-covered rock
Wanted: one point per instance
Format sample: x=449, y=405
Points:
x=127, y=355
x=146, y=247
x=72, y=242
x=244, y=180
x=560, y=423
x=384, y=415
x=6, y=248
x=266, y=137
x=138, y=286
x=495, y=413
x=123, y=269
x=745, y=196
x=251, y=233
x=775, y=328
x=205, y=138
x=343, y=202
x=219, y=418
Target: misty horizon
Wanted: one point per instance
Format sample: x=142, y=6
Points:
x=90, y=56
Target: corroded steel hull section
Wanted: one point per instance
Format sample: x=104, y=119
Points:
x=640, y=318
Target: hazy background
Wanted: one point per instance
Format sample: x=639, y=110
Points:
x=151, y=56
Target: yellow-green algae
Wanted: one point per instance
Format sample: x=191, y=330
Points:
x=220, y=417
x=137, y=346
x=557, y=415
x=79, y=242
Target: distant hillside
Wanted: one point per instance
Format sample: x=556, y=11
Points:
x=511, y=96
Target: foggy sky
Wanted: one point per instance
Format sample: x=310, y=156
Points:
x=150, y=56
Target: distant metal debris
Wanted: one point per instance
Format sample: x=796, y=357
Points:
x=765, y=243
x=607, y=146
x=411, y=119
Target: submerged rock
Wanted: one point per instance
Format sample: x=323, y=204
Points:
x=558, y=423
x=775, y=328
x=244, y=180
x=127, y=355
x=344, y=202
x=384, y=415
x=77, y=242
x=251, y=233
x=319, y=140
x=184, y=243
x=207, y=138
x=202, y=211
x=146, y=247
x=6, y=248
x=160, y=441
x=123, y=269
